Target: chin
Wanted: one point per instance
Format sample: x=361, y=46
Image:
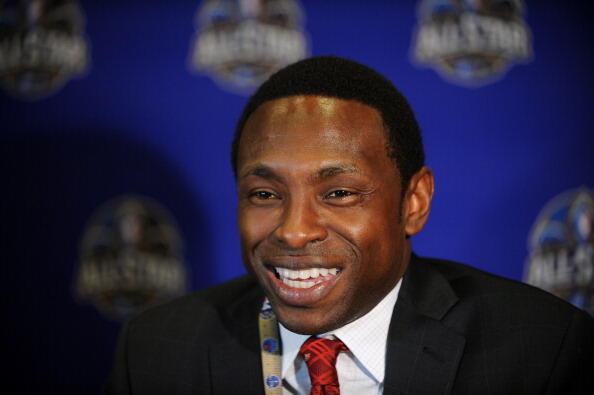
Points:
x=308, y=323
x=304, y=328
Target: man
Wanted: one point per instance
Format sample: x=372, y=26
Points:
x=329, y=166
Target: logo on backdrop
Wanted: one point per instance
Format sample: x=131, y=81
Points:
x=471, y=42
x=561, y=247
x=42, y=46
x=130, y=257
x=242, y=42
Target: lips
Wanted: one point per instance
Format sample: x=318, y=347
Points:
x=302, y=286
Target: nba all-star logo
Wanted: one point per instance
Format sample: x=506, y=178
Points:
x=42, y=46
x=471, y=42
x=242, y=42
x=561, y=247
x=130, y=257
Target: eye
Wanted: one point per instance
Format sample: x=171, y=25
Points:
x=339, y=194
x=344, y=197
x=262, y=197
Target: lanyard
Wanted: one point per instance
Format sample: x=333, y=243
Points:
x=270, y=350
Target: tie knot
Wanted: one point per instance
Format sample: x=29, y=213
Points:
x=320, y=356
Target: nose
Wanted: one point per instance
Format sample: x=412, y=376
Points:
x=300, y=225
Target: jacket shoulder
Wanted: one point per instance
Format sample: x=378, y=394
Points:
x=210, y=311
x=500, y=299
x=169, y=348
x=516, y=335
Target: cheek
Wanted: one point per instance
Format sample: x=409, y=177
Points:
x=254, y=224
x=368, y=228
x=376, y=236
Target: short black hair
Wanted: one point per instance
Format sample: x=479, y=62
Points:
x=335, y=77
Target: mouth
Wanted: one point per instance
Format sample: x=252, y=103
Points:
x=302, y=287
x=304, y=278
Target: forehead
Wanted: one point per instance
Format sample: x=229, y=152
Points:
x=314, y=128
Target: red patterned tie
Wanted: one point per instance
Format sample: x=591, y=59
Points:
x=320, y=356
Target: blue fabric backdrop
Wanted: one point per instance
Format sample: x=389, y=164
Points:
x=139, y=122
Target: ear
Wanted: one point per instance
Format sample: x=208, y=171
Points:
x=418, y=201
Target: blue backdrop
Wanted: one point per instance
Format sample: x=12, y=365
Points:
x=140, y=122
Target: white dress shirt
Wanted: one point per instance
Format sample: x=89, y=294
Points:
x=361, y=369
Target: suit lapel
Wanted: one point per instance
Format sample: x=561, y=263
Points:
x=235, y=369
x=235, y=364
x=422, y=354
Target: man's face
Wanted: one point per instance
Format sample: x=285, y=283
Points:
x=320, y=210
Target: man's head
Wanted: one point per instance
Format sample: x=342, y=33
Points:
x=329, y=165
x=331, y=76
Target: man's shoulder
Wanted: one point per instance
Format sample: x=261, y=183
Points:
x=207, y=311
x=469, y=281
x=498, y=298
x=513, y=332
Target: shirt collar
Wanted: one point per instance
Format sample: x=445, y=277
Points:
x=365, y=337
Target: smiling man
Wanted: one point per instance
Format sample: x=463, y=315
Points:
x=321, y=213
x=331, y=183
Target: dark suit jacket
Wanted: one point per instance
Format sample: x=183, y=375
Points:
x=455, y=330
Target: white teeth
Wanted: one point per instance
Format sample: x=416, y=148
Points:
x=288, y=276
x=283, y=272
x=294, y=274
x=300, y=284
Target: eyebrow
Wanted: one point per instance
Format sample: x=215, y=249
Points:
x=333, y=171
x=322, y=174
x=262, y=172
